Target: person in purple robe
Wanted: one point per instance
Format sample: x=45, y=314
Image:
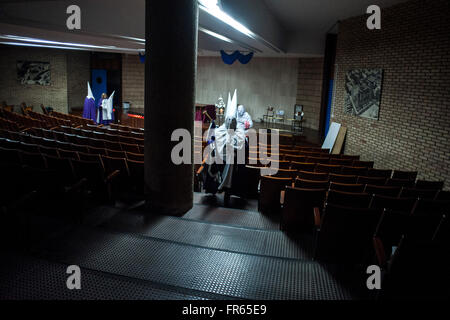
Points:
x=105, y=114
x=89, y=109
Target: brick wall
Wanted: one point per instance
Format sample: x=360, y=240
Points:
x=79, y=73
x=309, y=90
x=413, y=49
x=69, y=72
x=133, y=80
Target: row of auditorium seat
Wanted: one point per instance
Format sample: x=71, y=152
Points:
x=63, y=140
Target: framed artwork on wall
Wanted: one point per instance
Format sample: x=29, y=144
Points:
x=33, y=72
x=363, y=92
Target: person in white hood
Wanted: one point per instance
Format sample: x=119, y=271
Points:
x=244, y=121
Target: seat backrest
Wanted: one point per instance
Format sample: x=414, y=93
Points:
x=419, y=193
x=357, y=171
x=345, y=235
x=134, y=148
x=407, y=175
x=343, y=178
x=330, y=168
x=269, y=198
x=135, y=156
x=68, y=154
x=371, y=172
x=318, y=160
x=402, y=204
x=341, y=162
x=315, y=176
x=116, y=154
x=400, y=182
x=94, y=150
x=377, y=181
x=283, y=173
x=367, y=164
x=349, y=199
x=298, y=207
x=80, y=148
x=392, y=191
x=346, y=187
x=311, y=184
x=112, y=164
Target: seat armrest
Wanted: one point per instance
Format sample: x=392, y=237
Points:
x=379, y=251
x=112, y=176
x=200, y=170
x=317, y=217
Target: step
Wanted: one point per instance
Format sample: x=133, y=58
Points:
x=26, y=277
x=219, y=272
x=214, y=235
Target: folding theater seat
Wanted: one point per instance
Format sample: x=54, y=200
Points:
x=346, y=187
x=377, y=181
x=342, y=178
x=270, y=193
x=133, y=148
x=349, y=199
x=400, y=182
x=407, y=175
x=357, y=171
x=379, y=173
x=367, y=164
x=298, y=208
x=392, y=191
x=400, y=204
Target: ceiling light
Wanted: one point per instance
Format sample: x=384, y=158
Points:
x=212, y=7
x=216, y=35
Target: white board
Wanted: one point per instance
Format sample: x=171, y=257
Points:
x=331, y=136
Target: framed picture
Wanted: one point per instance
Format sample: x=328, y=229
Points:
x=33, y=72
x=298, y=110
x=363, y=92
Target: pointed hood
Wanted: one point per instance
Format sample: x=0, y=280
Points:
x=90, y=95
x=231, y=106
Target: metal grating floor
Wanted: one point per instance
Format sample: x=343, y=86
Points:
x=215, y=236
x=211, y=271
x=28, y=278
x=234, y=217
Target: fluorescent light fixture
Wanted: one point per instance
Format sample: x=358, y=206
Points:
x=216, y=35
x=34, y=42
x=212, y=7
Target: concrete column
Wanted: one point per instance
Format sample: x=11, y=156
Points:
x=170, y=70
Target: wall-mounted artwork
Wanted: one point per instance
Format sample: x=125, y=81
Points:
x=33, y=72
x=363, y=92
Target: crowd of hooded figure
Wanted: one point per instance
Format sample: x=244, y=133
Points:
x=100, y=113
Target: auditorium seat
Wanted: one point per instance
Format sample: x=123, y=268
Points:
x=311, y=184
x=418, y=193
x=318, y=160
x=253, y=176
x=392, y=191
x=296, y=158
x=400, y=204
x=400, y=182
x=377, y=181
x=135, y=156
x=33, y=148
x=367, y=164
x=434, y=185
x=97, y=182
x=133, y=148
x=94, y=150
x=80, y=148
x=346, y=187
x=129, y=140
x=59, y=136
x=347, y=156
x=344, y=234
x=49, y=151
x=116, y=154
x=407, y=175
x=81, y=140
x=33, y=160
x=71, y=138
x=379, y=173
x=10, y=156
x=342, y=178
x=68, y=154
x=341, y=162
x=49, y=143
x=298, y=208
x=282, y=173
x=270, y=193
x=425, y=218
x=87, y=133
x=329, y=168
x=349, y=199
x=97, y=143
x=90, y=156
x=63, y=145
x=111, y=137
x=113, y=145
x=315, y=176
x=136, y=171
